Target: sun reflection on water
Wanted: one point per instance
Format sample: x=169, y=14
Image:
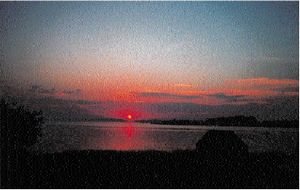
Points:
x=130, y=131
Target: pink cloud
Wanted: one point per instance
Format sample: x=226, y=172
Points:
x=257, y=83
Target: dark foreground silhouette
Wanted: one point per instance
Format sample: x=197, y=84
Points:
x=225, y=146
x=153, y=169
x=221, y=160
x=19, y=129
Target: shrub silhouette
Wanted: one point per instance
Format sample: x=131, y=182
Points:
x=219, y=146
x=20, y=128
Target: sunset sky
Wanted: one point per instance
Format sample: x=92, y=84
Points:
x=184, y=60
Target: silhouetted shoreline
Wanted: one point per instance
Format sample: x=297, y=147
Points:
x=87, y=119
x=220, y=160
x=236, y=121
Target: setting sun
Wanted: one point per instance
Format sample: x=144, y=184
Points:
x=129, y=117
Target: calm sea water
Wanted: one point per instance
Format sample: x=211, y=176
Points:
x=57, y=137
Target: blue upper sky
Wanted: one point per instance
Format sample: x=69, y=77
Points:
x=101, y=47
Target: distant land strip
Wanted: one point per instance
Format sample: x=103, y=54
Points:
x=247, y=121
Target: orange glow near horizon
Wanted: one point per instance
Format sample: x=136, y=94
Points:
x=132, y=101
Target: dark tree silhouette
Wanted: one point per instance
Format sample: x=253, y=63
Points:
x=20, y=128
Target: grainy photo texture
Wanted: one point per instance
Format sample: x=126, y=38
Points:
x=149, y=94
